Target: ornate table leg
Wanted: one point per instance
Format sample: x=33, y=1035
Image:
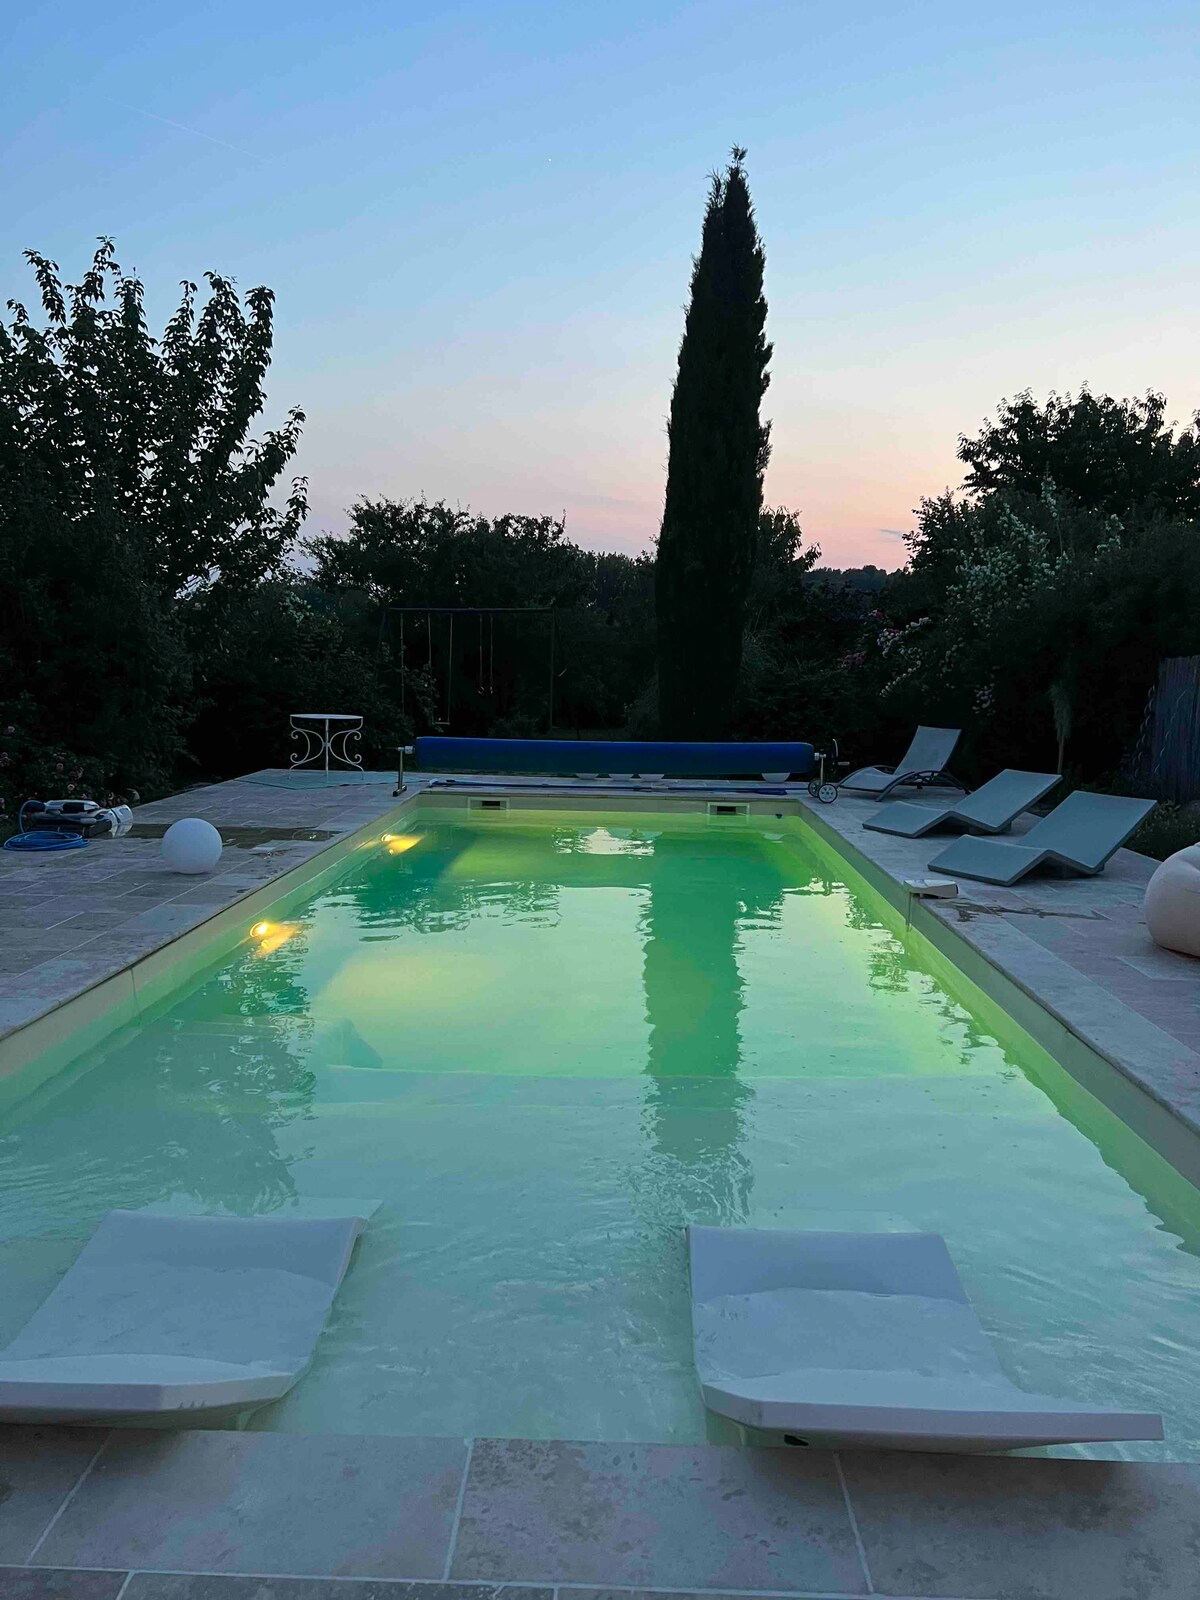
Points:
x=313, y=745
x=344, y=735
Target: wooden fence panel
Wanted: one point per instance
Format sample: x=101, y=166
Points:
x=1166, y=760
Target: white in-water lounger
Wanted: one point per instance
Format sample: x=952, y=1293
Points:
x=166, y=1319
x=864, y=1339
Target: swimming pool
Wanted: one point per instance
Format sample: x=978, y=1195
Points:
x=543, y=1042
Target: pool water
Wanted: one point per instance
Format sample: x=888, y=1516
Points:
x=543, y=1044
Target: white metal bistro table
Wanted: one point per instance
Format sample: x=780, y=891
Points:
x=329, y=738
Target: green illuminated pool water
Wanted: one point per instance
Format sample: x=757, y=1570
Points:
x=544, y=1045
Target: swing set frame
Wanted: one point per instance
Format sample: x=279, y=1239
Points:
x=464, y=612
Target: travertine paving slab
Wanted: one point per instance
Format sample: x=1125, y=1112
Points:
x=664, y=1516
x=304, y=1504
x=38, y=1469
x=648, y=1594
x=64, y=1583
x=1020, y=1529
x=187, y=1586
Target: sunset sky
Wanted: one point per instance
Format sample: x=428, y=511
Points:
x=478, y=221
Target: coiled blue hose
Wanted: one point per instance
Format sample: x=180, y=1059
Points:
x=46, y=839
x=42, y=839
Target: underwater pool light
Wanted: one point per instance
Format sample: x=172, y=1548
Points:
x=270, y=935
x=398, y=843
x=274, y=935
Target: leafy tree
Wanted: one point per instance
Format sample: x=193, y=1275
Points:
x=1116, y=457
x=273, y=650
x=417, y=553
x=606, y=643
x=107, y=428
x=1047, y=636
x=718, y=455
x=1039, y=601
x=129, y=487
x=1091, y=454
x=801, y=676
x=869, y=579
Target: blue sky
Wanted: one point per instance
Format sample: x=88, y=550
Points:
x=478, y=221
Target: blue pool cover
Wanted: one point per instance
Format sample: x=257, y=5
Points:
x=676, y=760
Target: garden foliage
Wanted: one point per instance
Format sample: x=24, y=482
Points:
x=1037, y=604
x=131, y=498
x=160, y=614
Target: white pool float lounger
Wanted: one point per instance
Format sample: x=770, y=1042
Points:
x=865, y=1340
x=167, y=1320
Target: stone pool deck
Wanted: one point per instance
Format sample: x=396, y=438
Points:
x=221, y=1515
x=260, y=1516
x=70, y=920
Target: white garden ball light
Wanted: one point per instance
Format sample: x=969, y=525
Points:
x=191, y=845
x=1173, y=902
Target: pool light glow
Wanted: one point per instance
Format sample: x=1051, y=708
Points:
x=398, y=843
x=271, y=935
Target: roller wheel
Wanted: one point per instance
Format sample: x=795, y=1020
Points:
x=827, y=793
x=814, y=787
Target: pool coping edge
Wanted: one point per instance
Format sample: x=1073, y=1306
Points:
x=82, y=1020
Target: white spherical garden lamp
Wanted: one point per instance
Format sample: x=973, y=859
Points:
x=1173, y=902
x=191, y=845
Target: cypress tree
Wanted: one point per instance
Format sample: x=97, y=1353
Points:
x=718, y=454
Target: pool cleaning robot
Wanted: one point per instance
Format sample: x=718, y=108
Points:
x=66, y=824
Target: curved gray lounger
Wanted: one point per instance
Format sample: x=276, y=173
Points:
x=925, y=763
x=1082, y=834
x=165, y=1319
x=993, y=808
x=864, y=1339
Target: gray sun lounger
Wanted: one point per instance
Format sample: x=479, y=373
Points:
x=865, y=1339
x=993, y=808
x=1081, y=834
x=925, y=763
x=166, y=1320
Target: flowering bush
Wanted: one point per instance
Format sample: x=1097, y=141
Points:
x=1038, y=626
x=31, y=769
